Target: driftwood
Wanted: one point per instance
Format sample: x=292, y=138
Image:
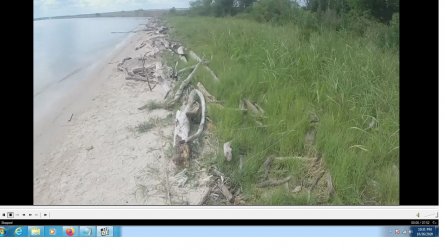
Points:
x=181, y=138
x=259, y=108
x=193, y=111
x=317, y=180
x=228, y=151
x=241, y=160
x=180, y=51
x=242, y=106
x=145, y=72
x=187, y=68
x=163, y=30
x=119, y=65
x=194, y=56
x=267, y=164
x=203, y=113
x=251, y=107
x=225, y=191
x=136, y=78
x=140, y=46
x=204, y=197
x=142, y=71
x=295, y=158
x=183, y=58
x=271, y=183
x=209, y=98
x=183, y=85
x=71, y=117
x=175, y=71
x=197, y=58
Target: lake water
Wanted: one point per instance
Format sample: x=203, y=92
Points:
x=66, y=50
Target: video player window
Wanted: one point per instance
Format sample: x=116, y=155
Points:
x=238, y=103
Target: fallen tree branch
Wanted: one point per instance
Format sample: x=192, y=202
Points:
x=317, y=180
x=183, y=85
x=187, y=68
x=225, y=191
x=295, y=158
x=140, y=46
x=271, y=183
x=119, y=65
x=135, y=78
x=259, y=108
x=194, y=56
x=267, y=164
x=175, y=71
x=251, y=107
x=209, y=98
x=145, y=71
x=197, y=58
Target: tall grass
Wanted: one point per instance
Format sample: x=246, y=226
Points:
x=350, y=82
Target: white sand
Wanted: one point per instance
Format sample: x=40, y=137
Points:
x=97, y=158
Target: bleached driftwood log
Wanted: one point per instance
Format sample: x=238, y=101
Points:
x=184, y=83
x=181, y=138
x=187, y=68
x=140, y=46
x=194, y=56
x=175, y=71
x=209, y=97
x=295, y=158
x=119, y=65
x=192, y=96
x=197, y=58
x=180, y=50
x=271, y=183
x=250, y=106
x=228, y=151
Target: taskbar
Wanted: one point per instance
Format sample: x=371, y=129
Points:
x=219, y=231
x=219, y=228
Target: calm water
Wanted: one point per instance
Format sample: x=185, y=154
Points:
x=65, y=48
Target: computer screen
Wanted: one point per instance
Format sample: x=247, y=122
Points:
x=223, y=112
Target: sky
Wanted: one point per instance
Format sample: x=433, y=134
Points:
x=47, y=8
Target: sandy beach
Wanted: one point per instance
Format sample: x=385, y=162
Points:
x=89, y=153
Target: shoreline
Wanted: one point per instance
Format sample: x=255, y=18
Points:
x=50, y=127
x=95, y=158
x=99, y=156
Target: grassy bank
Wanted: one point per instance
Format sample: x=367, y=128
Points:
x=345, y=82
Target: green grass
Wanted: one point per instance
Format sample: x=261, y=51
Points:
x=346, y=80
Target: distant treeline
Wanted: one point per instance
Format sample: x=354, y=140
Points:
x=376, y=19
x=131, y=13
